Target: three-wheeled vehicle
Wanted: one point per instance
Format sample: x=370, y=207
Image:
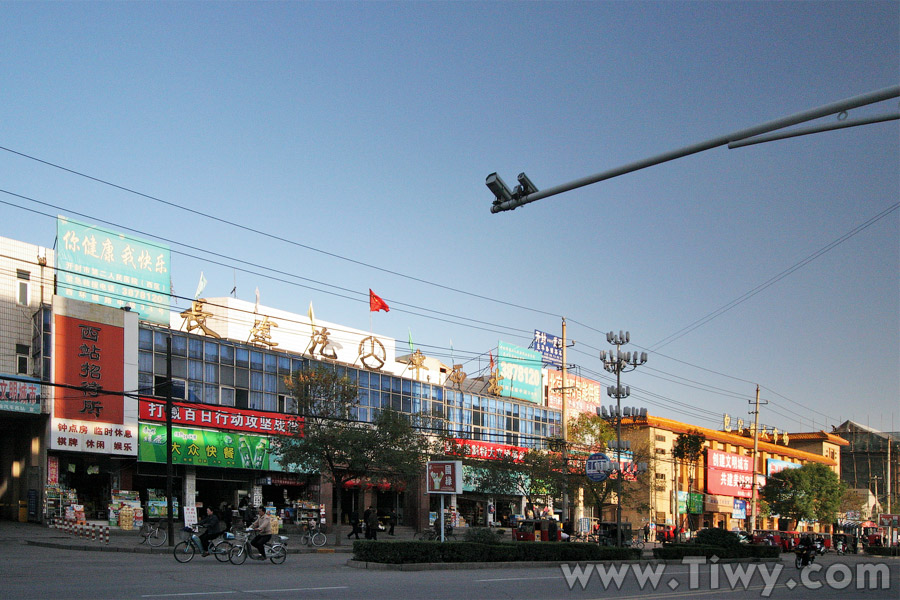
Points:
x=537, y=530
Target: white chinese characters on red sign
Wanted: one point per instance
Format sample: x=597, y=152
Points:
x=215, y=417
x=728, y=474
x=489, y=451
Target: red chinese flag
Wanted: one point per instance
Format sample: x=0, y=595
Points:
x=376, y=303
x=491, y=355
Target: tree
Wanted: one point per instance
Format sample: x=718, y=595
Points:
x=341, y=448
x=688, y=448
x=811, y=493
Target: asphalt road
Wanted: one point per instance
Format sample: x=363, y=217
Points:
x=31, y=572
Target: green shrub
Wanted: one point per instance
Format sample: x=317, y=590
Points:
x=679, y=551
x=761, y=551
x=402, y=552
x=883, y=550
x=482, y=535
x=717, y=537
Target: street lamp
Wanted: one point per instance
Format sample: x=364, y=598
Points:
x=618, y=363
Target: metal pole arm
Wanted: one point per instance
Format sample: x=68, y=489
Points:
x=801, y=117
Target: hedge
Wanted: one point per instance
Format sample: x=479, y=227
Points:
x=679, y=551
x=883, y=550
x=403, y=552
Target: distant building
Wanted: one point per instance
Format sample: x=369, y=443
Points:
x=869, y=461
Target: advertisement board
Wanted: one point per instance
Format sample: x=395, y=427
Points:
x=220, y=417
x=444, y=477
x=20, y=394
x=550, y=348
x=521, y=371
x=488, y=450
x=728, y=474
x=773, y=465
x=204, y=447
x=582, y=395
x=102, y=266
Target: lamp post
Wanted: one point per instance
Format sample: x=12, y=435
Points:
x=618, y=363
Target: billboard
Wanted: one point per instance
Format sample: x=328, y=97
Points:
x=101, y=266
x=582, y=395
x=20, y=394
x=728, y=474
x=444, y=477
x=521, y=371
x=220, y=417
x=204, y=447
x=773, y=465
x=550, y=347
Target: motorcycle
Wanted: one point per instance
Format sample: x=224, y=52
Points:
x=839, y=548
x=820, y=547
x=805, y=557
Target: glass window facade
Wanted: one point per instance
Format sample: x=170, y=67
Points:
x=230, y=374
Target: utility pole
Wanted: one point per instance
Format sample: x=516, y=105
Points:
x=565, y=430
x=753, y=499
x=169, y=510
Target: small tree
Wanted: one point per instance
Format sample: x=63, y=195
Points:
x=811, y=493
x=334, y=443
x=688, y=448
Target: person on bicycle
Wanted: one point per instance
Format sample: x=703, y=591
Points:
x=262, y=525
x=213, y=529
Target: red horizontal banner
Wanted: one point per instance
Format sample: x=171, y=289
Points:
x=220, y=417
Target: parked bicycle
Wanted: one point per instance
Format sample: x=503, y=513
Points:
x=276, y=549
x=154, y=533
x=312, y=536
x=430, y=535
x=185, y=550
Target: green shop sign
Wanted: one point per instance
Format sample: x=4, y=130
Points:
x=205, y=448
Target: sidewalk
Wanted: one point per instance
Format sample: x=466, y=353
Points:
x=130, y=541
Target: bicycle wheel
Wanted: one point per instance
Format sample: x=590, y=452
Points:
x=237, y=555
x=221, y=550
x=277, y=554
x=157, y=536
x=318, y=539
x=184, y=552
x=638, y=544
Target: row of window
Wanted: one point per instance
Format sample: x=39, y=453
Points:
x=220, y=372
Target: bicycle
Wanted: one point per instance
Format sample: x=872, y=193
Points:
x=313, y=536
x=153, y=533
x=185, y=550
x=276, y=551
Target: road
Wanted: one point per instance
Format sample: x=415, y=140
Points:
x=32, y=572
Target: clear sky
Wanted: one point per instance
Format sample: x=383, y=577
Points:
x=362, y=133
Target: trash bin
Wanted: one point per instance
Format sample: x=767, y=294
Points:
x=23, y=511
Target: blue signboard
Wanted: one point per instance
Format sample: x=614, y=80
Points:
x=550, y=347
x=740, y=509
x=521, y=371
x=597, y=467
x=20, y=394
x=104, y=267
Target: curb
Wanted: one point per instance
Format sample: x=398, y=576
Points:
x=373, y=566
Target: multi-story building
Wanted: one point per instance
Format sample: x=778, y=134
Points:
x=715, y=491
x=26, y=284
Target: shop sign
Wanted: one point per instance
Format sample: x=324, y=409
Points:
x=719, y=504
x=444, y=477
x=488, y=450
x=90, y=356
x=888, y=520
x=550, y=347
x=582, y=396
x=101, y=266
x=692, y=503
x=52, y=470
x=773, y=465
x=597, y=467
x=739, y=510
x=728, y=474
x=202, y=447
x=232, y=419
x=22, y=395
x=521, y=372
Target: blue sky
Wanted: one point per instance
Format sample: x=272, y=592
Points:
x=363, y=132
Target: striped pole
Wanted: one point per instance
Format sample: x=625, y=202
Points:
x=106, y=533
x=93, y=532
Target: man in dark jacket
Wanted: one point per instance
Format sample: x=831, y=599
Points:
x=213, y=529
x=354, y=523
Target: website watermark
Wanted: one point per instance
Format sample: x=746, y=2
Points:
x=711, y=574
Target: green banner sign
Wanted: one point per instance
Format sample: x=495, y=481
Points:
x=202, y=447
x=692, y=504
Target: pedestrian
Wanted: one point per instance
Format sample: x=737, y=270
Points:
x=392, y=520
x=646, y=532
x=211, y=523
x=354, y=523
x=545, y=513
x=372, y=525
x=365, y=521
x=226, y=516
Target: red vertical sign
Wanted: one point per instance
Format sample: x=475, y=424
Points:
x=90, y=356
